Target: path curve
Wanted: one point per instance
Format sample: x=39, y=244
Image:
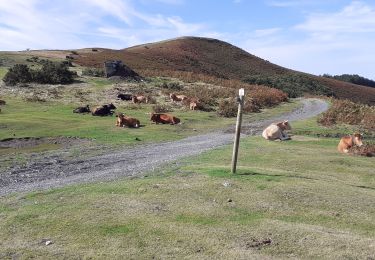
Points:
x=41, y=175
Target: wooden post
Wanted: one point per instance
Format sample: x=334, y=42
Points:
x=238, y=130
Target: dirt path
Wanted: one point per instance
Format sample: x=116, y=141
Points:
x=56, y=172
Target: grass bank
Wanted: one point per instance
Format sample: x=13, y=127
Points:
x=295, y=199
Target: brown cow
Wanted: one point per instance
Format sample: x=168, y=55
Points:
x=277, y=131
x=164, y=118
x=123, y=121
x=104, y=110
x=349, y=141
x=2, y=102
x=140, y=99
x=194, y=104
x=177, y=98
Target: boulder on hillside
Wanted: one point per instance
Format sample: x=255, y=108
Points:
x=115, y=68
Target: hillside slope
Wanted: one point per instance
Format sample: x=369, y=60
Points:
x=210, y=57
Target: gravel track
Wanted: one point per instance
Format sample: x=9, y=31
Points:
x=55, y=172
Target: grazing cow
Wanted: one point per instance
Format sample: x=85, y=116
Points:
x=277, y=131
x=164, y=118
x=82, y=110
x=126, y=97
x=2, y=102
x=140, y=99
x=349, y=141
x=177, y=98
x=123, y=121
x=104, y=110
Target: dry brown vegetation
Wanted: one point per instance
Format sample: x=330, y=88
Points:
x=347, y=112
x=211, y=61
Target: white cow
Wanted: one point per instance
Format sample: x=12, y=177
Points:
x=277, y=131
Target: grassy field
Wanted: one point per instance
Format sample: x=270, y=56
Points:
x=295, y=199
x=46, y=119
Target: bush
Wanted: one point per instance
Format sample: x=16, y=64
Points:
x=227, y=108
x=93, y=72
x=347, y=112
x=19, y=73
x=293, y=84
x=173, y=86
x=49, y=73
x=162, y=108
x=53, y=73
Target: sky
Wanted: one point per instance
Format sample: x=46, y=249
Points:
x=313, y=36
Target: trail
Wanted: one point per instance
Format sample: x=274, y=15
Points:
x=55, y=172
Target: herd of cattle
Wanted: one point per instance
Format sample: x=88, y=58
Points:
x=126, y=121
x=275, y=131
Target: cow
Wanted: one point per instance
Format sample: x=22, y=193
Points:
x=2, y=102
x=277, y=131
x=104, y=110
x=123, y=121
x=126, y=97
x=164, y=118
x=194, y=104
x=140, y=99
x=177, y=98
x=349, y=141
x=82, y=110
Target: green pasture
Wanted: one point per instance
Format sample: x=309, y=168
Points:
x=297, y=199
x=48, y=119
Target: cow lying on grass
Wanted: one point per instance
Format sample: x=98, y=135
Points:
x=140, y=99
x=277, y=131
x=123, y=121
x=164, y=119
x=104, y=110
x=349, y=141
x=177, y=98
x=82, y=110
x=126, y=97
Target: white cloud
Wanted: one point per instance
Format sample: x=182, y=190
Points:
x=337, y=42
x=40, y=24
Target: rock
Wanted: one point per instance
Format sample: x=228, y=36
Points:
x=229, y=200
x=226, y=184
x=48, y=242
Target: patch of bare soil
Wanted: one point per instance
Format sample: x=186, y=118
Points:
x=27, y=142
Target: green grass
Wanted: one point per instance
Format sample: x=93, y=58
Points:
x=3, y=71
x=309, y=200
x=31, y=119
x=48, y=119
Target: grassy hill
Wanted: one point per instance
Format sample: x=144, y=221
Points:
x=203, y=59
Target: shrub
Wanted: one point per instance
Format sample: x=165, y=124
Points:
x=227, y=107
x=19, y=73
x=93, y=72
x=293, y=84
x=173, y=86
x=347, y=112
x=53, y=73
x=49, y=73
x=162, y=108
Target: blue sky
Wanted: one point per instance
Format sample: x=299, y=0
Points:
x=314, y=36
